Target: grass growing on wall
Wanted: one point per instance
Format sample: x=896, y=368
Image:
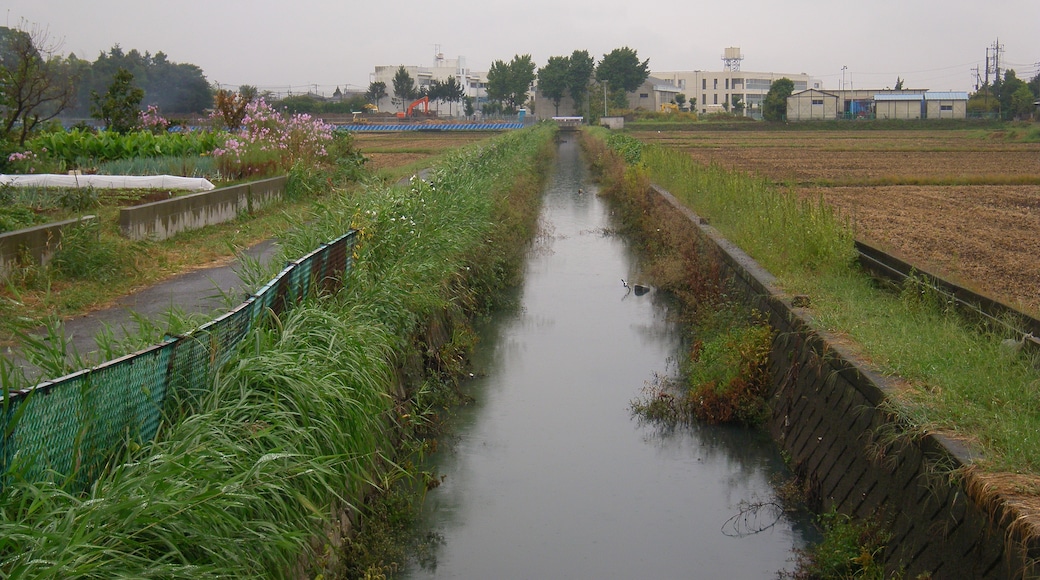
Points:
x=255, y=480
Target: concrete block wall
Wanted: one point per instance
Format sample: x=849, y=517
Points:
x=37, y=244
x=163, y=219
x=828, y=414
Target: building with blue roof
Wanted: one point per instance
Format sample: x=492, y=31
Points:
x=877, y=104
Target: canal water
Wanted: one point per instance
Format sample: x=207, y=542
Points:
x=549, y=475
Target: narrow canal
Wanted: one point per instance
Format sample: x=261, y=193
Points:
x=549, y=475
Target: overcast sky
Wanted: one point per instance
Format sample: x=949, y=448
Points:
x=325, y=43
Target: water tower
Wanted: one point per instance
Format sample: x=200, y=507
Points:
x=731, y=58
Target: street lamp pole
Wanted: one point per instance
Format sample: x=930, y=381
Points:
x=844, y=100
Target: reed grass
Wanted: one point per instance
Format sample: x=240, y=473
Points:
x=959, y=378
x=247, y=480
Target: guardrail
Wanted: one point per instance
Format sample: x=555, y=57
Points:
x=65, y=430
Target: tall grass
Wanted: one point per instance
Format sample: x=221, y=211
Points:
x=959, y=378
x=253, y=479
x=779, y=230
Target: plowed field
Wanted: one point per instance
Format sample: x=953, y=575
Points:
x=961, y=204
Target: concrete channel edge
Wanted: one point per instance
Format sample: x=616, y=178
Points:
x=830, y=415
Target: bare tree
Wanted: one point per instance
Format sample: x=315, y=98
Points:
x=36, y=84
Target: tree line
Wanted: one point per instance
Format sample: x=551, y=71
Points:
x=509, y=83
x=37, y=84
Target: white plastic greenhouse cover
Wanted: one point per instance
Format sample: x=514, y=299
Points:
x=108, y=181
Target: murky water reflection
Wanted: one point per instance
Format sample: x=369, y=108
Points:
x=549, y=475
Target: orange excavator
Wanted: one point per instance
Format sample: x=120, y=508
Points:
x=424, y=101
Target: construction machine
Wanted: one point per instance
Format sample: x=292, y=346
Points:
x=424, y=101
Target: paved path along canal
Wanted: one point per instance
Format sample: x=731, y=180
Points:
x=548, y=474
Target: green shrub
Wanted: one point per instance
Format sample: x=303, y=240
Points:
x=85, y=255
x=727, y=377
x=16, y=217
x=78, y=198
x=82, y=148
x=851, y=549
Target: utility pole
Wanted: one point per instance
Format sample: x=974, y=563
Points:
x=997, y=49
x=987, y=66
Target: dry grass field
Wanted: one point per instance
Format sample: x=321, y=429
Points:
x=962, y=204
x=397, y=149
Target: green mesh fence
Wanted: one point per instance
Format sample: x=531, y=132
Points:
x=67, y=429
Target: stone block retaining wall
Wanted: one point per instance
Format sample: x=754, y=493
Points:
x=828, y=413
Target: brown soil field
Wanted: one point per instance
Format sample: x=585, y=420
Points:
x=960, y=204
x=399, y=148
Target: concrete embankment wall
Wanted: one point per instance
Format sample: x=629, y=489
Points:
x=33, y=245
x=828, y=413
x=162, y=219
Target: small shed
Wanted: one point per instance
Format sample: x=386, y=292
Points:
x=812, y=104
x=899, y=106
x=946, y=105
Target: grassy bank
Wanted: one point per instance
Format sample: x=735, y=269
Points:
x=264, y=476
x=956, y=378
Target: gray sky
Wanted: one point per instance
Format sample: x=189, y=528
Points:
x=303, y=43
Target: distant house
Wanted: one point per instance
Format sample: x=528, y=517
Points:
x=812, y=104
x=949, y=105
x=880, y=104
x=653, y=93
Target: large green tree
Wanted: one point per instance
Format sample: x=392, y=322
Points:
x=452, y=91
x=579, y=75
x=774, y=106
x=622, y=72
x=120, y=107
x=175, y=88
x=35, y=85
x=404, y=87
x=552, y=79
x=508, y=83
x=376, y=92
x=1022, y=102
x=1005, y=89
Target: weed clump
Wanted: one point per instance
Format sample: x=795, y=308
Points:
x=851, y=548
x=728, y=375
x=725, y=371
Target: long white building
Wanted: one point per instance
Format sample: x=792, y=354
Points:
x=730, y=89
x=474, y=83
